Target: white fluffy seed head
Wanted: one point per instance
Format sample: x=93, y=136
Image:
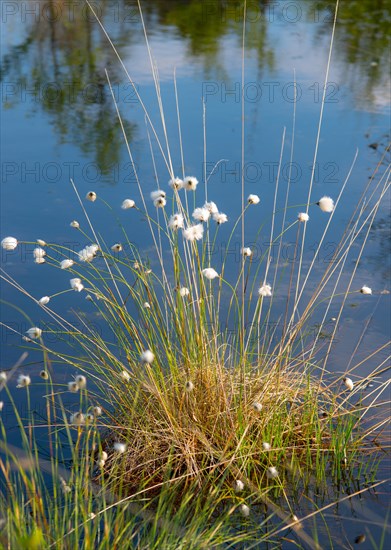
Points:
x=190, y=183
x=184, y=291
x=189, y=386
x=246, y=252
x=97, y=410
x=326, y=204
x=24, y=380
x=257, y=406
x=210, y=273
x=41, y=242
x=238, y=485
x=104, y=455
x=65, y=264
x=159, y=193
x=272, y=472
x=147, y=356
x=194, y=232
x=212, y=207
x=44, y=300
x=244, y=510
x=1, y=405
x=266, y=446
x=125, y=375
x=176, y=222
x=128, y=203
x=78, y=419
x=253, y=199
x=265, y=291
x=39, y=260
x=3, y=377
x=81, y=381
x=39, y=252
x=160, y=202
x=34, y=333
x=146, y=305
x=303, y=217
x=348, y=383
x=220, y=217
x=73, y=386
x=9, y=243
x=76, y=284
x=91, y=196
x=75, y=224
x=117, y=247
x=44, y=374
x=201, y=214
x=119, y=447
x=365, y=290
x=176, y=183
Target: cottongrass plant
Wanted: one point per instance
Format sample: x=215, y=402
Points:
x=183, y=432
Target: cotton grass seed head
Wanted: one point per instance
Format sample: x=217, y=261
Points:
x=253, y=199
x=3, y=377
x=212, y=207
x=76, y=284
x=65, y=264
x=9, y=243
x=44, y=300
x=348, y=383
x=73, y=386
x=326, y=204
x=117, y=247
x=77, y=419
x=75, y=224
x=97, y=411
x=201, y=214
x=24, y=380
x=265, y=291
x=176, y=183
x=210, y=273
x=257, y=406
x=190, y=183
x=119, y=447
x=160, y=202
x=238, y=485
x=125, y=376
x=158, y=194
x=34, y=333
x=184, y=291
x=220, y=218
x=81, y=381
x=147, y=356
x=266, y=446
x=244, y=510
x=40, y=242
x=1, y=405
x=365, y=290
x=303, y=217
x=39, y=252
x=44, y=375
x=91, y=196
x=194, y=232
x=272, y=472
x=39, y=260
x=104, y=456
x=146, y=305
x=189, y=386
x=176, y=222
x=128, y=203
x=246, y=252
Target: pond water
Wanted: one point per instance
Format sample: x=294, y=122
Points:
x=59, y=122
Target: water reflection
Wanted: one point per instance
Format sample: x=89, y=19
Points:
x=58, y=62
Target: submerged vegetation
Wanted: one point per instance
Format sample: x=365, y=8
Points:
x=197, y=422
